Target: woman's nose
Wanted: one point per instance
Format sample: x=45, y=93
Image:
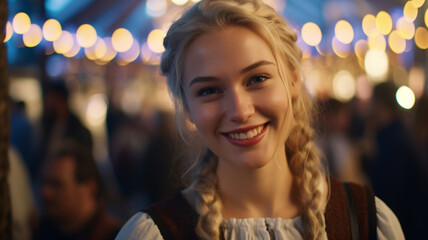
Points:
x=240, y=106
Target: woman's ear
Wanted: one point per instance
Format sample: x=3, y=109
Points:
x=296, y=84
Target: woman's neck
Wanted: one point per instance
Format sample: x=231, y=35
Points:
x=270, y=191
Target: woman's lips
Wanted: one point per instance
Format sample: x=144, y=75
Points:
x=246, y=137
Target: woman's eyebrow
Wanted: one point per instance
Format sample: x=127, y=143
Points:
x=246, y=69
x=202, y=79
x=256, y=65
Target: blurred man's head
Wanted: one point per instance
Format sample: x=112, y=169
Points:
x=71, y=186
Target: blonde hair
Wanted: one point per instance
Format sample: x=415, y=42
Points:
x=302, y=155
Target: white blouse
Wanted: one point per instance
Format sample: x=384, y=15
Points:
x=141, y=226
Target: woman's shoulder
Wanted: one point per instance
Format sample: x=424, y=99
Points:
x=388, y=226
x=139, y=226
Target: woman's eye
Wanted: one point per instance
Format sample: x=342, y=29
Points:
x=257, y=79
x=207, y=92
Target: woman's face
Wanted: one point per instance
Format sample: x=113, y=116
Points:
x=236, y=97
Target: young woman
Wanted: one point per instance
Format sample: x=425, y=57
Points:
x=234, y=70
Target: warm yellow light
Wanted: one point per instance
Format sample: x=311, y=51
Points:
x=86, y=35
x=426, y=17
x=52, y=30
x=21, y=23
x=110, y=53
x=383, y=22
x=377, y=41
x=405, y=28
x=311, y=34
x=155, y=40
x=340, y=49
x=100, y=48
x=74, y=50
x=122, y=40
x=9, y=32
x=179, y=2
x=64, y=43
x=90, y=53
x=421, y=38
x=131, y=54
x=33, y=36
x=96, y=110
x=344, y=31
x=405, y=97
x=410, y=12
x=376, y=64
x=344, y=86
x=396, y=42
x=360, y=48
x=418, y=3
x=369, y=25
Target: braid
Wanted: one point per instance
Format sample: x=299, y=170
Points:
x=207, y=200
x=305, y=164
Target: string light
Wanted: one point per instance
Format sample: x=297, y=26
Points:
x=405, y=97
x=155, y=40
x=405, y=28
x=344, y=31
x=421, y=38
x=86, y=35
x=52, y=30
x=122, y=40
x=64, y=43
x=410, y=12
x=383, y=22
x=311, y=34
x=369, y=25
x=21, y=23
x=9, y=32
x=33, y=36
x=418, y=3
x=396, y=42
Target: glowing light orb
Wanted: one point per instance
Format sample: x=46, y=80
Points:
x=376, y=65
x=21, y=23
x=122, y=40
x=33, y=36
x=155, y=40
x=383, y=22
x=52, y=30
x=86, y=35
x=405, y=97
x=344, y=31
x=311, y=34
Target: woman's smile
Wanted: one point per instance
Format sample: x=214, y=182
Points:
x=246, y=137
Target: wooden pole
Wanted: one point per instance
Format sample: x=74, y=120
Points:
x=5, y=207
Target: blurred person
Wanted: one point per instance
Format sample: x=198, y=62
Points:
x=233, y=67
x=22, y=132
x=73, y=198
x=59, y=124
x=341, y=154
x=398, y=173
x=24, y=212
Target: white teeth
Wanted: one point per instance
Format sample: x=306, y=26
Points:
x=250, y=134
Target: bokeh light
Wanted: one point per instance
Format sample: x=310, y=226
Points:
x=410, y=12
x=100, y=48
x=110, y=53
x=405, y=28
x=369, y=25
x=96, y=110
x=344, y=32
x=376, y=65
x=418, y=3
x=90, y=53
x=33, y=36
x=426, y=18
x=9, y=31
x=396, y=42
x=383, y=22
x=421, y=38
x=405, y=97
x=21, y=23
x=122, y=40
x=344, y=86
x=156, y=8
x=64, y=43
x=340, y=49
x=360, y=48
x=311, y=34
x=131, y=54
x=155, y=40
x=377, y=41
x=74, y=50
x=86, y=35
x=52, y=30
x=179, y=2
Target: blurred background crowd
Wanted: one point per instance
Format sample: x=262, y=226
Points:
x=93, y=132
